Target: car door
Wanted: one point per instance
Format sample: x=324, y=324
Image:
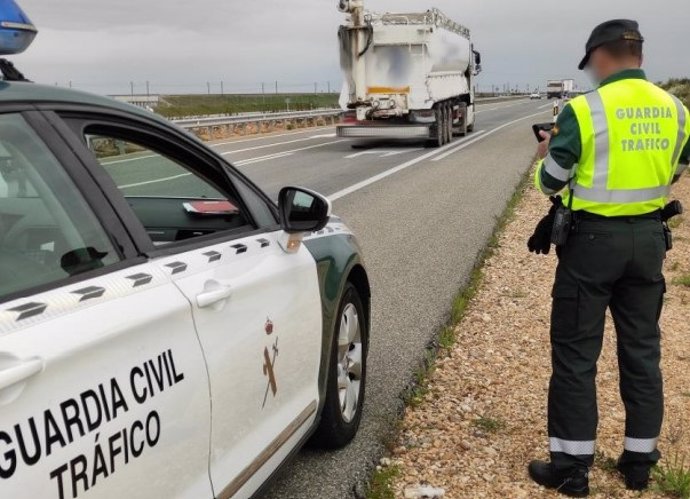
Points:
x=256, y=306
x=103, y=386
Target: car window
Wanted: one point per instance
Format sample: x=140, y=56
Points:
x=172, y=201
x=47, y=230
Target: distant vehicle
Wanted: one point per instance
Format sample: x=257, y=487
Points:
x=166, y=329
x=535, y=96
x=407, y=75
x=559, y=89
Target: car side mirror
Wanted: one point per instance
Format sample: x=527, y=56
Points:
x=302, y=210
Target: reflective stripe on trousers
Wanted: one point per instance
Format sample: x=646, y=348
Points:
x=641, y=445
x=572, y=447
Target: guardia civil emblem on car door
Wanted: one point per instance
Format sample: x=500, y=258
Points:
x=270, y=356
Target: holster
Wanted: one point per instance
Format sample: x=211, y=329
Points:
x=562, y=226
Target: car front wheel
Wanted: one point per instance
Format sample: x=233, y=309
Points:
x=342, y=409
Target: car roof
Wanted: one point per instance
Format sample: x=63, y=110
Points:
x=26, y=92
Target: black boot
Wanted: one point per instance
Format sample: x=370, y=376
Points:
x=636, y=476
x=573, y=483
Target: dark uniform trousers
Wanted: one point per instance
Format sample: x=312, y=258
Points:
x=617, y=264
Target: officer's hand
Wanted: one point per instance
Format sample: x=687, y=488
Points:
x=543, y=148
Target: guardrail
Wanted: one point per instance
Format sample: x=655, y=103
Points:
x=257, y=118
x=219, y=121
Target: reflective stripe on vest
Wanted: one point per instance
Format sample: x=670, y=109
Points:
x=594, y=187
x=681, y=130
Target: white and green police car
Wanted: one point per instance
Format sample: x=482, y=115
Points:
x=166, y=330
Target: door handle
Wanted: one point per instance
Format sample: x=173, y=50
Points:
x=214, y=295
x=16, y=374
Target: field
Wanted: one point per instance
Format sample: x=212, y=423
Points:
x=679, y=87
x=175, y=106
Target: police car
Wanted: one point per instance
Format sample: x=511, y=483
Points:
x=166, y=330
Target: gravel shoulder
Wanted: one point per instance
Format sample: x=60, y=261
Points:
x=484, y=415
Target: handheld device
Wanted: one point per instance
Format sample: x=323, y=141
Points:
x=542, y=127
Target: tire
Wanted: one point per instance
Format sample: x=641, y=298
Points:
x=439, y=137
x=449, y=123
x=463, y=127
x=340, y=417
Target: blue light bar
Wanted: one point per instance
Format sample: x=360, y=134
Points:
x=16, y=29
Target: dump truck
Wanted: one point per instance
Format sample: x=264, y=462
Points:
x=559, y=89
x=406, y=75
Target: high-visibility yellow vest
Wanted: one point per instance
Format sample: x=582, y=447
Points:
x=632, y=134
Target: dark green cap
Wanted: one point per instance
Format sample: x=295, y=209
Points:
x=611, y=31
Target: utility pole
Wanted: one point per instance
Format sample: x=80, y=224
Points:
x=148, y=88
x=131, y=88
x=222, y=89
x=329, y=87
x=316, y=88
x=208, y=87
x=276, y=87
x=70, y=84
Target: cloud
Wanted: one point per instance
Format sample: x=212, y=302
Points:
x=180, y=45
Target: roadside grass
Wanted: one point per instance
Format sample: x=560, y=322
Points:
x=380, y=486
x=683, y=280
x=489, y=424
x=673, y=477
x=176, y=106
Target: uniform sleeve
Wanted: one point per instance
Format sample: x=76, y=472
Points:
x=556, y=170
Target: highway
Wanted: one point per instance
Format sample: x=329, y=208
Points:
x=422, y=216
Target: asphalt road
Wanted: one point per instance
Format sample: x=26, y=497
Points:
x=422, y=222
x=422, y=216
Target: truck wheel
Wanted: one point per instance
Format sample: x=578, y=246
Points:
x=342, y=410
x=438, y=138
x=463, y=127
x=449, y=123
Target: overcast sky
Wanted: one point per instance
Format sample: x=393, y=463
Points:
x=179, y=45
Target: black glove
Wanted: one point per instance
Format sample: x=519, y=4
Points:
x=540, y=242
x=672, y=209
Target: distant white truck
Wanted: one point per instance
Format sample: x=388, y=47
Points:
x=559, y=89
x=407, y=75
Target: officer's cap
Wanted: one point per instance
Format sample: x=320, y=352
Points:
x=611, y=31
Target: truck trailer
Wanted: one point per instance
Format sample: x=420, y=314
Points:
x=559, y=89
x=407, y=75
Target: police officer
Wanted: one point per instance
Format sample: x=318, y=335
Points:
x=616, y=151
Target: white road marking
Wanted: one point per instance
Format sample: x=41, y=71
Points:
x=164, y=179
x=545, y=106
x=382, y=153
x=467, y=144
x=443, y=151
x=149, y=156
x=276, y=144
x=361, y=185
x=285, y=153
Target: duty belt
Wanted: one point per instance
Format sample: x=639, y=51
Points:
x=585, y=215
